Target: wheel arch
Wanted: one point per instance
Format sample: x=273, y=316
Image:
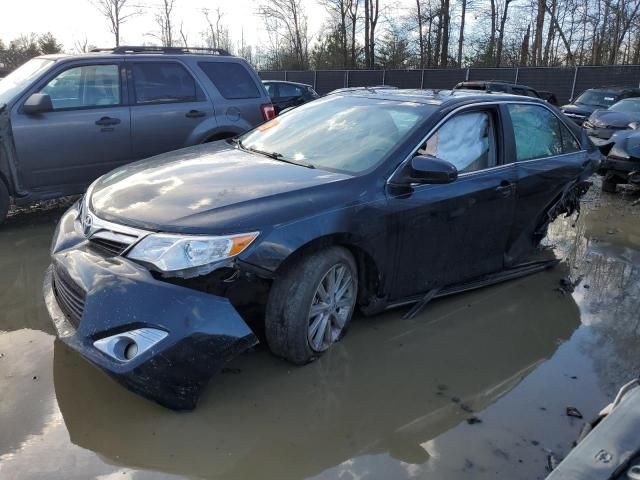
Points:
x=369, y=272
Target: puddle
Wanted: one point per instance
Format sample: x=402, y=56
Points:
x=475, y=386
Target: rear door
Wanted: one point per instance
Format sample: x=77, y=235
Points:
x=548, y=157
x=169, y=108
x=458, y=231
x=86, y=134
x=240, y=96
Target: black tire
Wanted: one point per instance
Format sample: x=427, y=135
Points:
x=287, y=321
x=609, y=185
x=4, y=202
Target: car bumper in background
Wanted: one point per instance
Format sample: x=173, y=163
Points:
x=100, y=305
x=629, y=170
x=600, y=134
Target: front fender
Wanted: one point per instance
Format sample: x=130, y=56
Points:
x=349, y=226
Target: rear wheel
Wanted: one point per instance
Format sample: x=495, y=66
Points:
x=4, y=201
x=311, y=305
x=609, y=185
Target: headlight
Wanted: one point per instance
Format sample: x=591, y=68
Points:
x=189, y=255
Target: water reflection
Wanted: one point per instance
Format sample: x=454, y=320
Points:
x=391, y=401
x=24, y=243
x=604, y=249
x=389, y=387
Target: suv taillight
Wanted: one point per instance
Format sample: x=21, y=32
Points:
x=268, y=112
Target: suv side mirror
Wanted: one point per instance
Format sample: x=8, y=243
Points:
x=37, y=103
x=428, y=169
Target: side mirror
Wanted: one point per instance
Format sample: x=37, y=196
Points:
x=37, y=103
x=634, y=125
x=428, y=169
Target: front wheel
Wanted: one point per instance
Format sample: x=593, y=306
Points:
x=311, y=305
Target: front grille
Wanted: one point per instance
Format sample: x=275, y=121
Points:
x=69, y=295
x=112, y=247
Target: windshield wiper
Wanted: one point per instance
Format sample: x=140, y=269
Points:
x=273, y=155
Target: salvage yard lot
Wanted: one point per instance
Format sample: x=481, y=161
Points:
x=475, y=386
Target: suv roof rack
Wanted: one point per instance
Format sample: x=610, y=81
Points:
x=127, y=49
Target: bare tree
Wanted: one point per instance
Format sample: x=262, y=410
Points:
x=164, y=21
x=82, y=45
x=286, y=21
x=116, y=12
x=371, y=16
x=461, y=34
x=353, y=20
x=339, y=10
x=446, y=16
x=183, y=36
x=217, y=35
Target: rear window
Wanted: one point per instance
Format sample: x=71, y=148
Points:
x=232, y=80
x=156, y=82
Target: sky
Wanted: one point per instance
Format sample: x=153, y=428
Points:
x=74, y=20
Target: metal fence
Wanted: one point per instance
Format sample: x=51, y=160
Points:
x=565, y=82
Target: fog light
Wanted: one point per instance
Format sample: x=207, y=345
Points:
x=125, y=346
x=131, y=351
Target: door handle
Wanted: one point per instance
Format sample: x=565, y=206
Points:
x=505, y=189
x=194, y=114
x=106, y=121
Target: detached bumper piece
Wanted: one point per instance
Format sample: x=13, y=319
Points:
x=609, y=447
x=160, y=340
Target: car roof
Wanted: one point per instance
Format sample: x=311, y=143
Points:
x=492, y=82
x=437, y=97
x=614, y=89
x=299, y=84
x=147, y=52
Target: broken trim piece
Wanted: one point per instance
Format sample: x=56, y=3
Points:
x=527, y=268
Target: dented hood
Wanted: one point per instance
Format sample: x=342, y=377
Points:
x=612, y=119
x=206, y=188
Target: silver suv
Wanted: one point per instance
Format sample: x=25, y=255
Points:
x=67, y=119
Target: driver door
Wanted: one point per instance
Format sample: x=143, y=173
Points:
x=86, y=134
x=455, y=232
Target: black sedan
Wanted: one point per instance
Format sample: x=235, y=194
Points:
x=288, y=94
x=622, y=115
x=622, y=165
x=169, y=267
x=596, y=98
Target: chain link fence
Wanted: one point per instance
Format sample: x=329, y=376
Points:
x=565, y=82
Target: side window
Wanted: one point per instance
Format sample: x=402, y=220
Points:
x=232, y=80
x=466, y=140
x=156, y=82
x=539, y=133
x=287, y=90
x=271, y=89
x=86, y=86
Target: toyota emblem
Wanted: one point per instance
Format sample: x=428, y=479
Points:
x=87, y=223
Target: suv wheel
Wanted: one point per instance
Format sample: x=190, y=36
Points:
x=311, y=305
x=4, y=201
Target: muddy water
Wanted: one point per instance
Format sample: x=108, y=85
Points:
x=473, y=387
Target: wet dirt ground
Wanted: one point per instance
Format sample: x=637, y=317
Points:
x=475, y=386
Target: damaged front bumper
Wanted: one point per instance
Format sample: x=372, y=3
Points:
x=627, y=169
x=160, y=340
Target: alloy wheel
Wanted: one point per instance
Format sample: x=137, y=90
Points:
x=332, y=304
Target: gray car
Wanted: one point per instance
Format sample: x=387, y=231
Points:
x=67, y=119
